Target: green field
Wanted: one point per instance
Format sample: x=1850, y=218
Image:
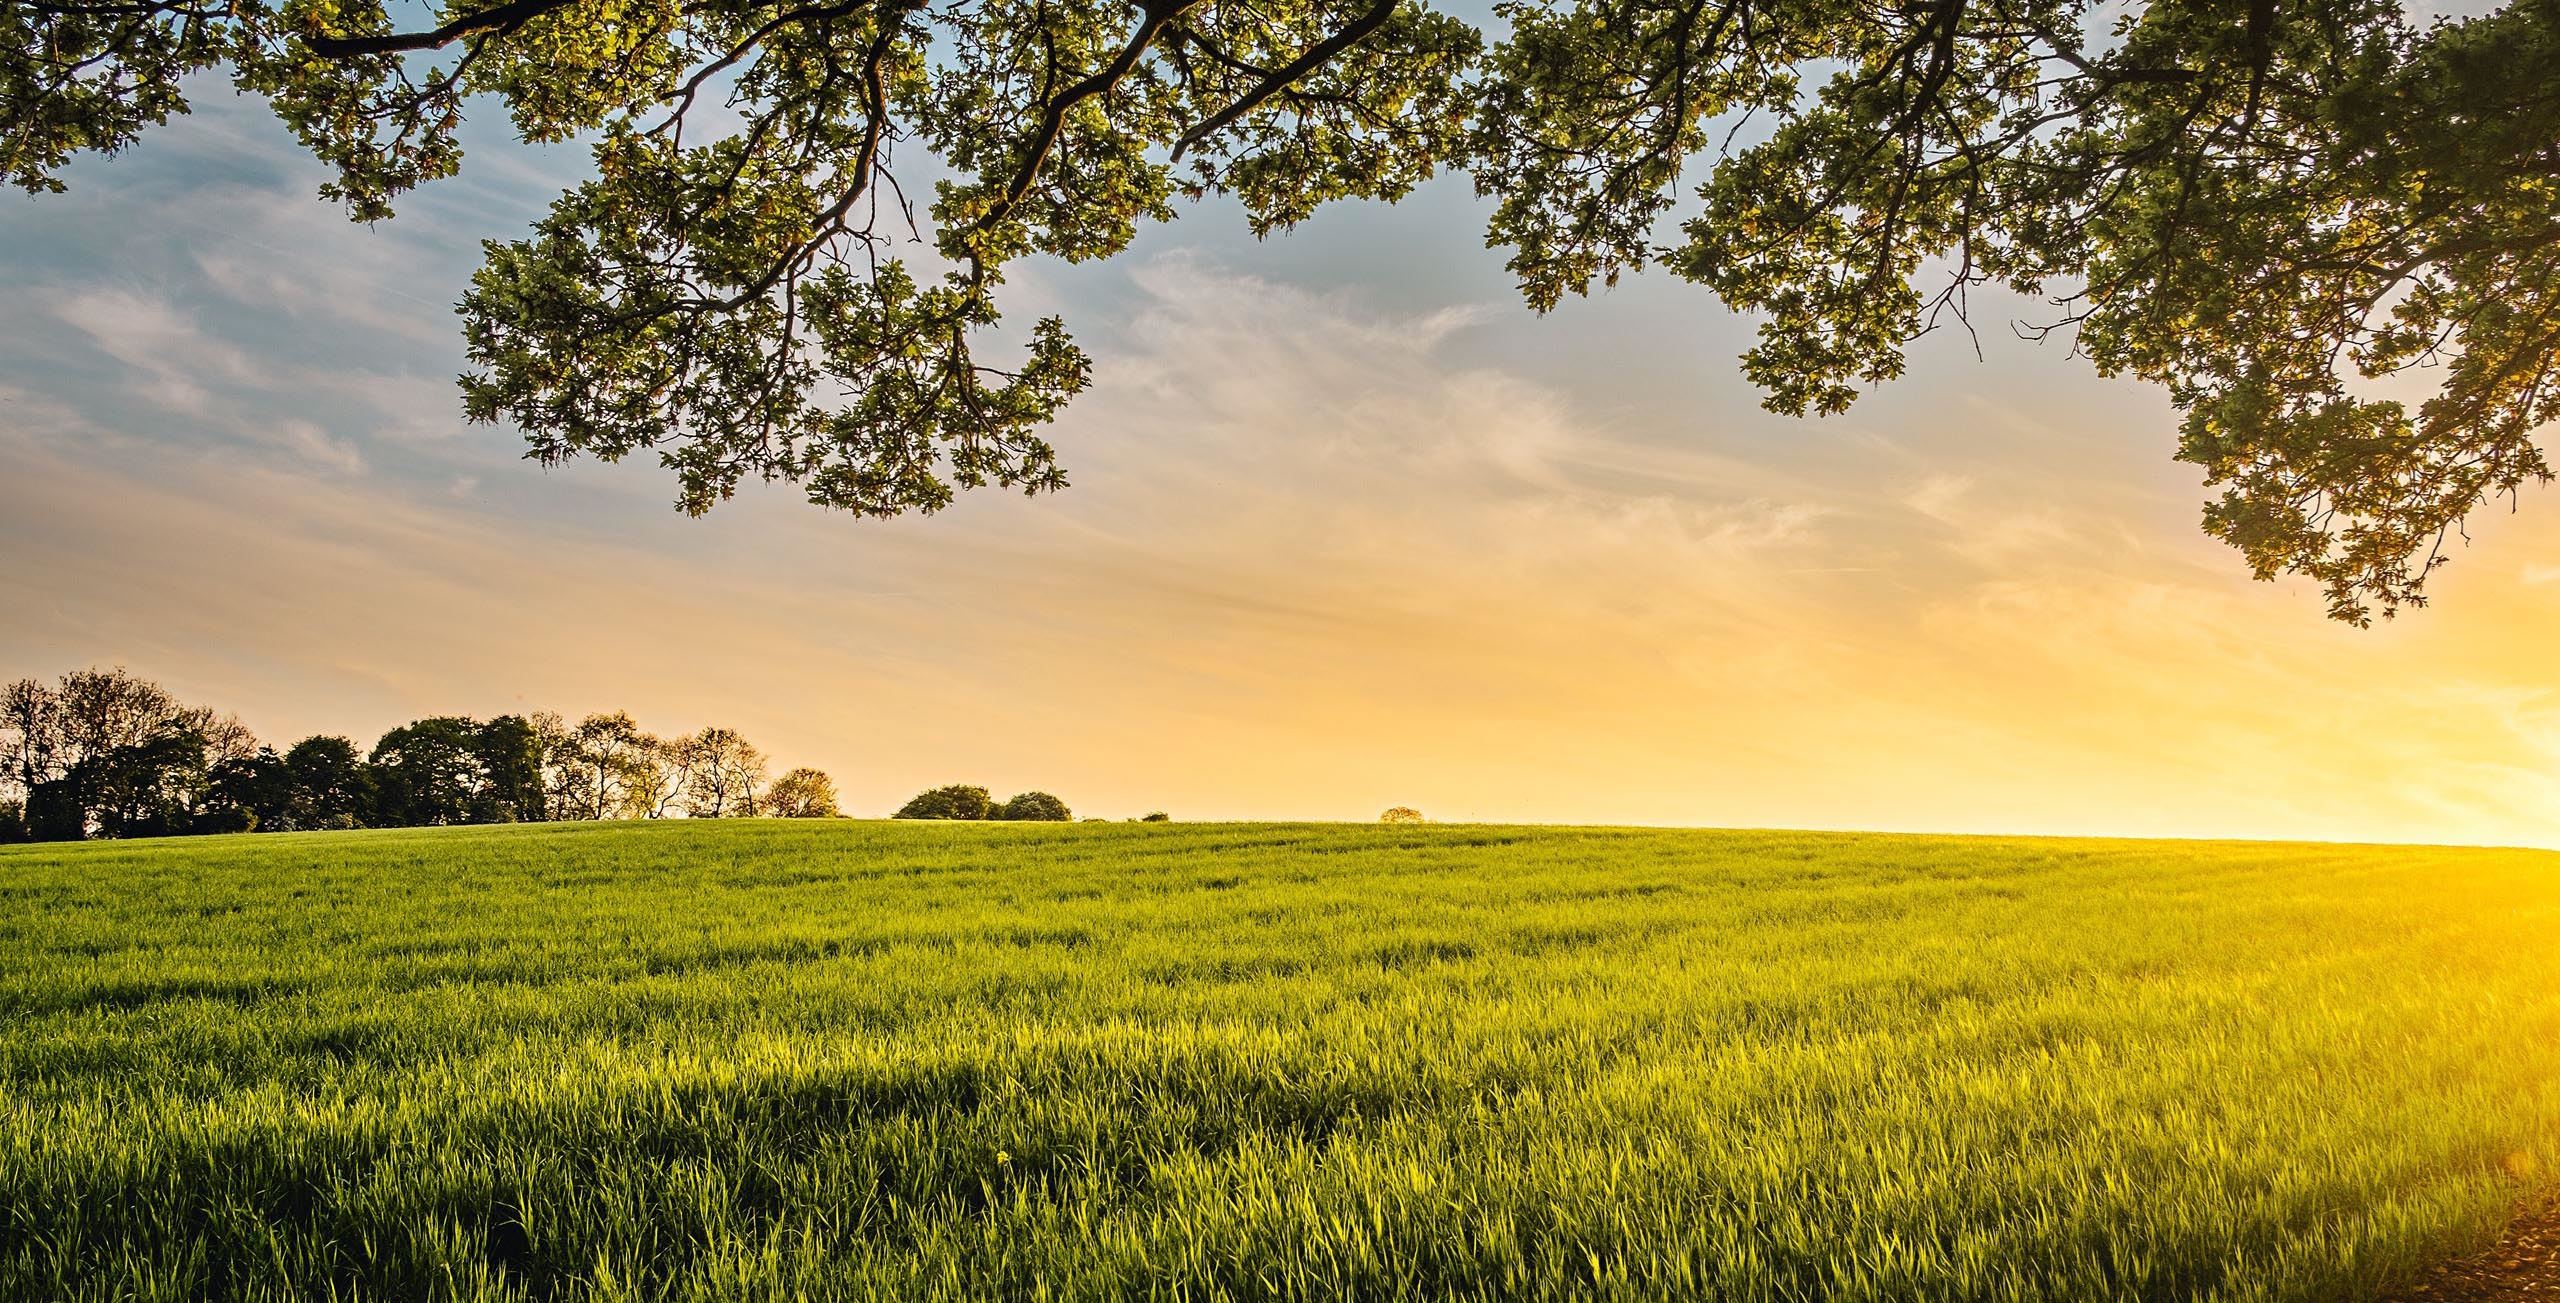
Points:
x=767, y=1060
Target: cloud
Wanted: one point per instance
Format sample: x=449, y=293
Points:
x=1363, y=425
x=189, y=372
x=318, y=446
x=150, y=335
x=279, y=250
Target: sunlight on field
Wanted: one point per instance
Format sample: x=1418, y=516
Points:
x=1263, y=1061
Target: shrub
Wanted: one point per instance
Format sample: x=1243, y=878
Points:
x=957, y=801
x=1155, y=816
x=1034, y=807
x=1402, y=814
x=13, y=822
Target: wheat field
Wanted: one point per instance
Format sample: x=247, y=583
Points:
x=783, y=1060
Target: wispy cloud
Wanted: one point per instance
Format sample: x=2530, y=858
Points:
x=151, y=336
x=185, y=370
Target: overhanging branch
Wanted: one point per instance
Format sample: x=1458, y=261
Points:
x=1315, y=57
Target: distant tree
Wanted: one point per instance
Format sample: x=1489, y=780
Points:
x=331, y=786
x=149, y=788
x=54, y=740
x=661, y=772
x=510, y=752
x=13, y=821
x=225, y=737
x=248, y=794
x=563, y=765
x=1033, y=807
x=727, y=770
x=1402, y=814
x=227, y=746
x=58, y=808
x=97, y=711
x=800, y=794
x=428, y=774
x=1155, y=816
x=106, y=752
x=957, y=801
x=30, y=733
x=610, y=763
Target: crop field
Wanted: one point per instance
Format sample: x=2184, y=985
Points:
x=771, y=1060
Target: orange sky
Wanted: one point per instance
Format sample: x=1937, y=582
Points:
x=1350, y=529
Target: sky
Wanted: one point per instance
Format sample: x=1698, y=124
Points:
x=1349, y=528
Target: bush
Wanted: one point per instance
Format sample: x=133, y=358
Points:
x=957, y=801
x=13, y=822
x=1402, y=814
x=1034, y=807
x=1155, y=816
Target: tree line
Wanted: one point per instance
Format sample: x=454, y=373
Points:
x=104, y=753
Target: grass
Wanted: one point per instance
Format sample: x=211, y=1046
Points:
x=764, y=1060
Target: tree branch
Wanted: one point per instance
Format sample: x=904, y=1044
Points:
x=1289, y=73
x=505, y=17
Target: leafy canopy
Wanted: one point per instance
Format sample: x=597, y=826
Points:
x=2263, y=205
x=957, y=801
x=801, y=794
x=1033, y=807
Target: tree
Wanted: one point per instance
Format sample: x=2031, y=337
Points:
x=107, y=753
x=661, y=772
x=564, y=773
x=96, y=711
x=724, y=276
x=247, y=794
x=225, y=737
x=954, y=802
x=727, y=769
x=1038, y=807
x=1155, y=816
x=58, y=809
x=510, y=750
x=1402, y=814
x=609, y=765
x=428, y=774
x=331, y=786
x=13, y=821
x=2255, y=204
x=147, y=788
x=2258, y=206
x=30, y=734
x=800, y=794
